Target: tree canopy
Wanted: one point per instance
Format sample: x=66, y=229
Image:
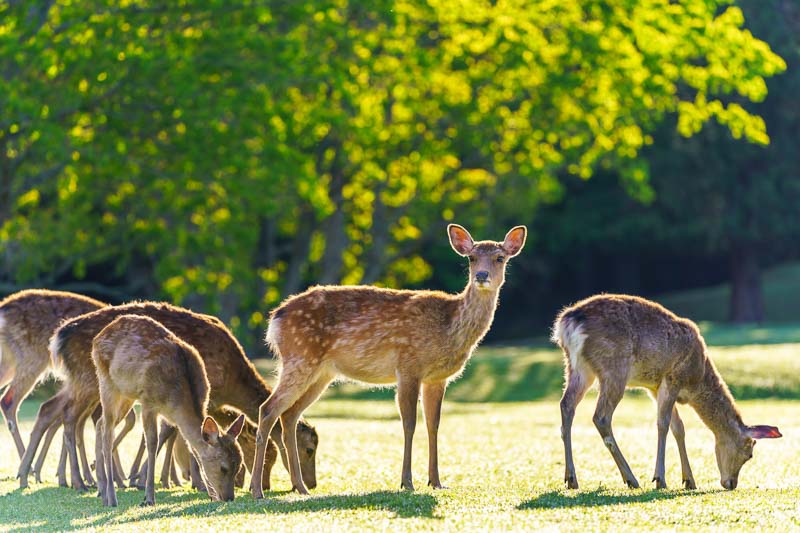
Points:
x=225, y=154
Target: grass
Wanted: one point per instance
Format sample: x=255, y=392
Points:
x=501, y=456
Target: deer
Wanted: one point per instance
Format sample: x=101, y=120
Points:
x=27, y=319
x=136, y=358
x=627, y=341
x=416, y=339
x=234, y=379
x=247, y=441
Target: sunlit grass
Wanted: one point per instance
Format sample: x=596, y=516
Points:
x=501, y=457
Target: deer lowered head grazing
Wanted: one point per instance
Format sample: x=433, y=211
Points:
x=417, y=339
x=624, y=341
x=137, y=358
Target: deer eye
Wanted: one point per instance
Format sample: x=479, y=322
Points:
x=472, y=259
x=500, y=259
x=310, y=451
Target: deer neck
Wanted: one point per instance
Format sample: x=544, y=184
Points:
x=715, y=406
x=190, y=424
x=247, y=393
x=474, y=315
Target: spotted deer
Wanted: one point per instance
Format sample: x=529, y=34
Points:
x=234, y=380
x=416, y=339
x=27, y=319
x=138, y=359
x=626, y=341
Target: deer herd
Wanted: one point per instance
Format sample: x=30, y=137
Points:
x=219, y=417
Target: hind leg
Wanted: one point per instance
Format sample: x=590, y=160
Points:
x=81, y=446
x=49, y=413
x=578, y=382
x=611, y=392
x=75, y=411
x=130, y=421
x=48, y=439
x=21, y=385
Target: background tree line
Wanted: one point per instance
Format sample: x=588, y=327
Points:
x=226, y=154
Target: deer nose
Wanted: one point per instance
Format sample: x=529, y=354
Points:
x=481, y=276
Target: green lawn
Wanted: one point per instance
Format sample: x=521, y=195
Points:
x=501, y=456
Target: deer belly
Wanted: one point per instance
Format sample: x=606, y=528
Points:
x=378, y=367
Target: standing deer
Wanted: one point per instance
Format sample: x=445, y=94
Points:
x=27, y=319
x=629, y=341
x=234, y=380
x=382, y=336
x=139, y=359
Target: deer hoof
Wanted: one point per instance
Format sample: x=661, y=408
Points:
x=660, y=483
x=571, y=481
x=436, y=485
x=632, y=483
x=301, y=490
x=689, y=484
x=407, y=485
x=147, y=503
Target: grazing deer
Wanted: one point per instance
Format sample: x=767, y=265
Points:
x=139, y=359
x=247, y=441
x=27, y=319
x=626, y=341
x=234, y=380
x=382, y=336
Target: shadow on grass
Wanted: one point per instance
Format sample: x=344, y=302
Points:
x=600, y=497
x=90, y=513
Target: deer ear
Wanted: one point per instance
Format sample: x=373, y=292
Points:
x=460, y=239
x=515, y=240
x=210, y=430
x=763, y=432
x=236, y=428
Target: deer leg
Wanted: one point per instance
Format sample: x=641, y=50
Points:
x=407, y=398
x=676, y=425
x=294, y=381
x=130, y=421
x=136, y=463
x=611, y=391
x=665, y=401
x=61, y=472
x=48, y=439
x=270, y=458
x=150, y=424
x=23, y=380
x=289, y=421
x=196, y=475
x=168, y=464
x=49, y=413
x=432, y=395
x=176, y=480
x=99, y=459
x=578, y=382
x=79, y=442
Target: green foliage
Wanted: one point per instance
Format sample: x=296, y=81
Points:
x=225, y=155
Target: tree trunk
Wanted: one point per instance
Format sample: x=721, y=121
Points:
x=747, y=299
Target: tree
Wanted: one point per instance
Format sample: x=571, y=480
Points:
x=226, y=155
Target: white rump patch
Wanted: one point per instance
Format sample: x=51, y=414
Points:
x=569, y=335
x=273, y=334
x=55, y=360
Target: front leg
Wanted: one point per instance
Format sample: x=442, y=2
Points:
x=432, y=395
x=666, y=401
x=407, y=397
x=676, y=425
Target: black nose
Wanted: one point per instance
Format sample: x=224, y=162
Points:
x=482, y=276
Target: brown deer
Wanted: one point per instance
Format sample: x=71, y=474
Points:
x=139, y=359
x=234, y=380
x=247, y=441
x=27, y=319
x=626, y=341
x=416, y=339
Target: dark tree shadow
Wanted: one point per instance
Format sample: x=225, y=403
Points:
x=600, y=497
x=403, y=504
